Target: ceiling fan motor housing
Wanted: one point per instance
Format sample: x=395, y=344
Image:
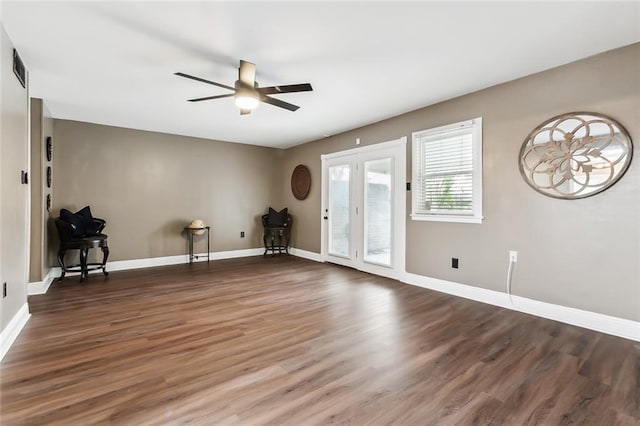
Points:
x=239, y=85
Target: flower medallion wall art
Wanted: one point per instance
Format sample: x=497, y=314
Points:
x=575, y=155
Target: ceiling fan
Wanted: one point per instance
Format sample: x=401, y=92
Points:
x=247, y=93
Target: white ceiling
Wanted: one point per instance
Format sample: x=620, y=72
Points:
x=113, y=62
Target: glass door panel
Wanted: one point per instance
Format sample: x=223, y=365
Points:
x=363, y=208
x=378, y=206
x=339, y=210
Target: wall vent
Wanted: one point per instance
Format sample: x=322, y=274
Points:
x=18, y=68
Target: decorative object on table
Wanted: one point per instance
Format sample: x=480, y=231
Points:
x=197, y=227
x=48, y=202
x=575, y=155
x=49, y=148
x=300, y=182
x=277, y=231
x=48, y=176
x=81, y=231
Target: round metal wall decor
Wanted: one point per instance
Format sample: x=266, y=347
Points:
x=300, y=182
x=575, y=155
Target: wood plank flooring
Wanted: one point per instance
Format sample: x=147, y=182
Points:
x=286, y=341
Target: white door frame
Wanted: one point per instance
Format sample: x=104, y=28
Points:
x=396, y=149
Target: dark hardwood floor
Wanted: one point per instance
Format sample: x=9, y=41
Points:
x=281, y=340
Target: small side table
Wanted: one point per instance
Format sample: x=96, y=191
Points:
x=190, y=234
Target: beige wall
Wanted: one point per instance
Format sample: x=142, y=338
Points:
x=41, y=127
x=14, y=250
x=148, y=186
x=583, y=253
x=49, y=249
x=36, y=245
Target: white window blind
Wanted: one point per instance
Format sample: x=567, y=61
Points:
x=447, y=172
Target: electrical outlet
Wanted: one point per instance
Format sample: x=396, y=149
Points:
x=4, y=290
x=513, y=256
x=241, y=234
x=454, y=262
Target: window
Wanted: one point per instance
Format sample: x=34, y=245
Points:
x=447, y=173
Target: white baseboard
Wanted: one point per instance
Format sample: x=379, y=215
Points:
x=232, y=254
x=41, y=287
x=592, y=320
x=123, y=265
x=13, y=329
x=305, y=254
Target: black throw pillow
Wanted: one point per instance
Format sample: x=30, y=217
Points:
x=77, y=222
x=81, y=221
x=277, y=218
x=90, y=226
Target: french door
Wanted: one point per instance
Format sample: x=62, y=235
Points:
x=363, y=208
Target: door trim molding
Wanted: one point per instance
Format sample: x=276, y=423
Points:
x=362, y=149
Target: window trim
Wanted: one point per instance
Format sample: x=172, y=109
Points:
x=476, y=215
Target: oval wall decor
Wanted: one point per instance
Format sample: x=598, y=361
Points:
x=300, y=182
x=575, y=155
x=49, y=148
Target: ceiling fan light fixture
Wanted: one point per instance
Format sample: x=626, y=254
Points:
x=246, y=101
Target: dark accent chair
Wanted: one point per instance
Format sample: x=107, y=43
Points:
x=83, y=243
x=276, y=237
